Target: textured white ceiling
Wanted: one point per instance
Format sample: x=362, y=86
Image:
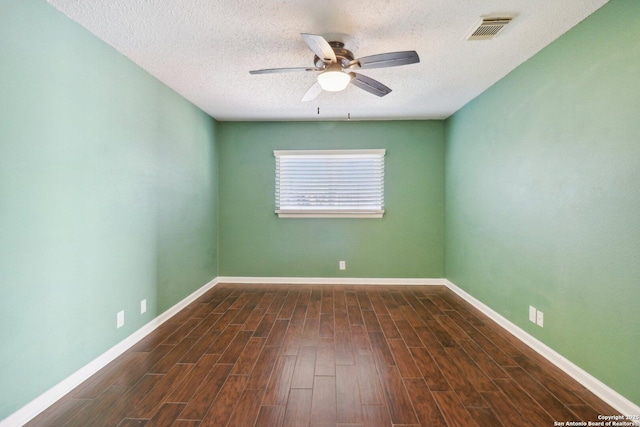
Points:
x=204, y=49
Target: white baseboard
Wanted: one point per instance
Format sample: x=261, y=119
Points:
x=597, y=387
x=329, y=281
x=35, y=407
x=46, y=399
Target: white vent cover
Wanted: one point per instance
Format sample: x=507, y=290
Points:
x=488, y=28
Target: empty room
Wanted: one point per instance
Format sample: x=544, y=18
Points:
x=244, y=213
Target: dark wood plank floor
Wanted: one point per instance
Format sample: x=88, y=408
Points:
x=283, y=355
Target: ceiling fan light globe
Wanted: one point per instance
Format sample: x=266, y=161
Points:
x=333, y=81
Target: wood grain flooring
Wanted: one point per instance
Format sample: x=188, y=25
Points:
x=284, y=355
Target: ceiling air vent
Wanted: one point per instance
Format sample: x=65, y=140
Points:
x=488, y=28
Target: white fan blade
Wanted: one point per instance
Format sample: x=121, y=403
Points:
x=320, y=47
x=312, y=93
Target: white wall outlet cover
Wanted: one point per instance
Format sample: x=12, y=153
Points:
x=120, y=319
x=540, y=319
x=343, y=265
x=532, y=314
x=143, y=306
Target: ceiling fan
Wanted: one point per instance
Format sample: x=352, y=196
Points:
x=335, y=63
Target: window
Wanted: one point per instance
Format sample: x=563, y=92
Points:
x=330, y=183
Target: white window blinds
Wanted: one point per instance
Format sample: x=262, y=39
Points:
x=330, y=183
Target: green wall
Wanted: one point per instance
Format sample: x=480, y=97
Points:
x=406, y=242
x=543, y=195
x=107, y=196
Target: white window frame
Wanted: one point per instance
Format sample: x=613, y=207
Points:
x=373, y=180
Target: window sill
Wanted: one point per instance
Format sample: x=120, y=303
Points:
x=329, y=214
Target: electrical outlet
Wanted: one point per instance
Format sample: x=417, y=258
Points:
x=343, y=265
x=540, y=319
x=532, y=314
x=120, y=319
x=143, y=306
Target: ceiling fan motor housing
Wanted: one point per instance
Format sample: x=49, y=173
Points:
x=341, y=53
